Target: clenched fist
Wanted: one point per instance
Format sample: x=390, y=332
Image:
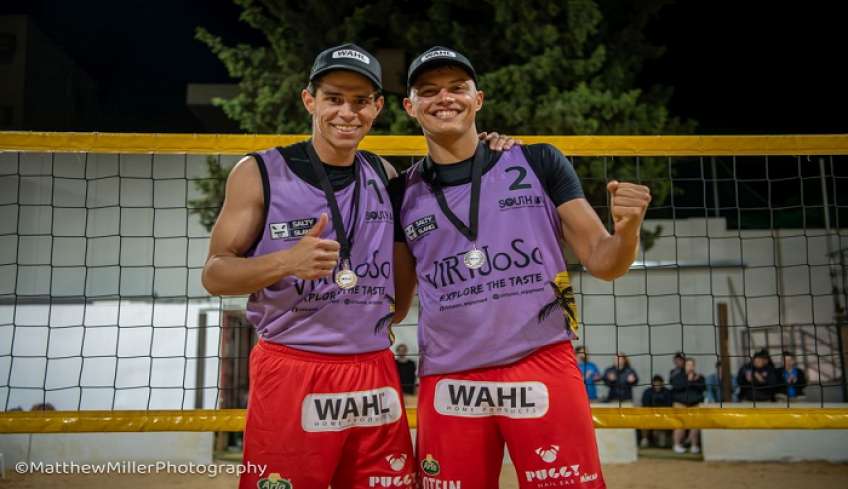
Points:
x=629, y=203
x=312, y=257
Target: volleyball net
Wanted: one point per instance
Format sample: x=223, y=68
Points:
x=105, y=326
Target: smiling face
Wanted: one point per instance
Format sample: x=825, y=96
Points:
x=444, y=101
x=343, y=107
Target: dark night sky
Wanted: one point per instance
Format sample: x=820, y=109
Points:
x=736, y=67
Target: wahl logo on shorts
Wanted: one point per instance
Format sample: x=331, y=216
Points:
x=473, y=399
x=420, y=227
x=340, y=411
x=292, y=229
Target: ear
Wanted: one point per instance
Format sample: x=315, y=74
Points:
x=379, y=103
x=308, y=101
x=478, y=100
x=409, y=107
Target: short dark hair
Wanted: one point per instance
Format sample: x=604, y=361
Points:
x=657, y=378
x=313, y=86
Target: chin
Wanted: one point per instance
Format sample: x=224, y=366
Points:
x=346, y=141
x=449, y=129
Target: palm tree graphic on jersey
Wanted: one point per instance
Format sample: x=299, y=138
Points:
x=564, y=300
x=386, y=321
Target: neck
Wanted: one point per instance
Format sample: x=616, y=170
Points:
x=450, y=149
x=331, y=155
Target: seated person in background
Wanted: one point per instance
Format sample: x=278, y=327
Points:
x=791, y=380
x=687, y=390
x=406, y=369
x=590, y=372
x=658, y=395
x=714, y=386
x=757, y=380
x=620, y=379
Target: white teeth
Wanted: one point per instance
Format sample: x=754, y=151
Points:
x=344, y=127
x=445, y=114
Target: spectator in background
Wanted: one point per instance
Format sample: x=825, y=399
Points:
x=620, y=379
x=714, y=386
x=590, y=372
x=406, y=369
x=757, y=380
x=687, y=390
x=791, y=380
x=679, y=360
x=657, y=395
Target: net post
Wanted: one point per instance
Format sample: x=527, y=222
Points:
x=200, y=367
x=724, y=352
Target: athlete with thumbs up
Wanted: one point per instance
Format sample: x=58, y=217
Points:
x=307, y=231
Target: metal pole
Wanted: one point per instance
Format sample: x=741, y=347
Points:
x=715, y=186
x=724, y=354
x=200, y=366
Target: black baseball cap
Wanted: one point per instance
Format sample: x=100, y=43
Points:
x=348, y=57
x=435, y=57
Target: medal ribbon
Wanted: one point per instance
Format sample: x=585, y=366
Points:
x=469, y=231
x=345, y=238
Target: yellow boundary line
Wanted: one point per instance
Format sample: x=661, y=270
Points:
x=233, y=419
x=239, y=144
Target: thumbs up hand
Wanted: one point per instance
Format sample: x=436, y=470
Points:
x=629, y=202
x=312, y=257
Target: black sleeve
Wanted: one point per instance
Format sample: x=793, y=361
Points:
x=555, y=172
x=397, y=188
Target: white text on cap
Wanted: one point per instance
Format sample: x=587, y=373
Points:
x=350, y=53
x=441, y=54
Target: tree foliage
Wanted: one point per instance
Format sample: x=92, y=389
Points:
x=547, y=67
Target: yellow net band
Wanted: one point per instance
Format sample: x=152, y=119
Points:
x=234, y=419
x=239, y=144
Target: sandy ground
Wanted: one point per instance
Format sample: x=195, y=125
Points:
x=646, y=474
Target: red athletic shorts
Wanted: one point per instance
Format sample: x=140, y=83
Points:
x=537, y=406
x=318, y=420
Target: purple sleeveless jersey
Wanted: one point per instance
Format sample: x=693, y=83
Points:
x=511, y=306
x=317, y=315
